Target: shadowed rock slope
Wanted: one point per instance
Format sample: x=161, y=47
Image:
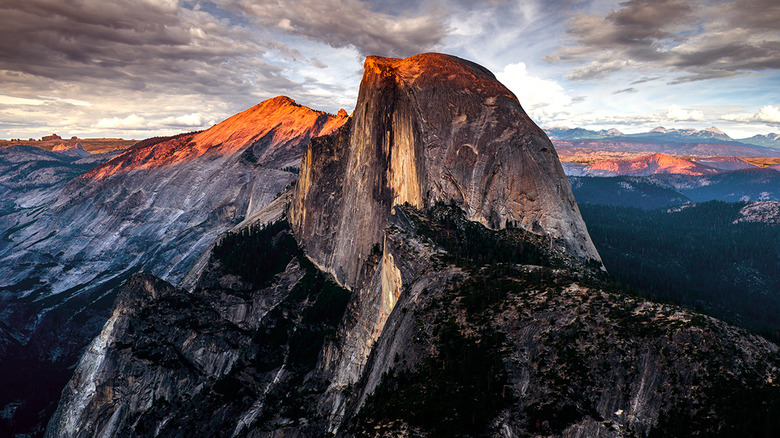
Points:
x=386, y=307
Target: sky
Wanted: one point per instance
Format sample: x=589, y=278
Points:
x=136, y=69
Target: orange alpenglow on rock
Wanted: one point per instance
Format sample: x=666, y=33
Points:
x=75, y=150
x=275, y=128
x=650, y=165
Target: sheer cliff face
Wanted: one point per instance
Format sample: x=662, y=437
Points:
x=431, y=128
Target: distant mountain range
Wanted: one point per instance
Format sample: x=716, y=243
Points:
x=659, y=180
x=56, y=143
x=566, y=133
x=657, y=163
x=771, y=140
x=664, y=135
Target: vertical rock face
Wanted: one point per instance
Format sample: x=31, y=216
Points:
x=426, y=129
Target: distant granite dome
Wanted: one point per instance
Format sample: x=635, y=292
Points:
x=74, y=150
x=426, y=129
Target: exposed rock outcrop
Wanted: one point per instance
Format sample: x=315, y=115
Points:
x=761, y=211
x=426, y=129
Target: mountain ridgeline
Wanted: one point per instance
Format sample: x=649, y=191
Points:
x=709, y=141
x=429, y=274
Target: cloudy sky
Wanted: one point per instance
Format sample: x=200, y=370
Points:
x=151, y=67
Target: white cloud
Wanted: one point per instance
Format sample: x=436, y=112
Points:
x=285, y=24
x=737, y=117
x=189, y=120
x=674, y=112
x=75, y=102
x=769, y=114
x=766, y=114
x=541, y=98
x=130, y=122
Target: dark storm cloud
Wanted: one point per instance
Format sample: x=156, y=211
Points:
x=154, y=46
x=639, y=23
x=754, y=14
x=349, y=23
x=701, y=40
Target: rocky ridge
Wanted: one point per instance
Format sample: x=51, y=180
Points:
x=725, y=163
x=648, y=165
x=90, y=145
x=657, y=164
x=274, y=130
